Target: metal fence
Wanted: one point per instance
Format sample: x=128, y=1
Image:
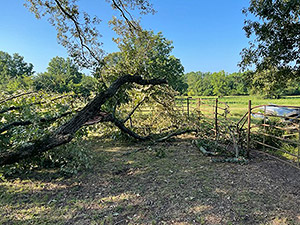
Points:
x=213, y=116
x=271, y=132
x=257, y=129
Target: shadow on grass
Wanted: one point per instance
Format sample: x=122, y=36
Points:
x=154, y=184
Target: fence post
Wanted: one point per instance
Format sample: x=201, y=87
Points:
x=216, y=119
x=188, y=106
x=264, y=137
x=181, y=105
x=248, y=129
x=299, y=143
x=199, y=114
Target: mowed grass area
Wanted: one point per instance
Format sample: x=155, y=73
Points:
x=166, y=183
x=238, y=105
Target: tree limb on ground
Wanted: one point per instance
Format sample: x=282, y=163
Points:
x=65, y=133
x=126, y=130
x=176, y=133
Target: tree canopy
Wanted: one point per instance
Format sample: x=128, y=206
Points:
x=14, y=66
x=275, y=42
x=147, y=54
x=77, y=30
x=15, y=73
x=62, y=76
x=262, y=83
x=144, y=60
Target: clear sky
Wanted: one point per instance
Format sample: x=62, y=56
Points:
x=207, y=35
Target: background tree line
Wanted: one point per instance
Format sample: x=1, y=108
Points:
x=61, y=76
x=240, y=83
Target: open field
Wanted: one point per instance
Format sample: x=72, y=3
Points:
x=167, y=183
x=238, y=105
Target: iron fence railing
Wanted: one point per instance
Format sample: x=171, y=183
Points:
x=272, y=132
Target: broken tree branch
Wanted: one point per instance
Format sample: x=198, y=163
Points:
x=134, y=109
x=16, y=96
x=65, y=133
x=176, y=133
x=28, y=122
x=124, y=129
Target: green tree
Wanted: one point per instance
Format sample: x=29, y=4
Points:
x=14, y=66
x=238, y=84
x=63, y=75
x=87, y=85
x=276, y=41
x=204, y=85
x=193, y=80
x=206, y=88
x=144, y=53
x=218, y=81
x=265, y=83
x=293, y=87
x=15, y=73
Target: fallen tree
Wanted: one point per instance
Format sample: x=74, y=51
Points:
x=150, y=58
x=65, y=133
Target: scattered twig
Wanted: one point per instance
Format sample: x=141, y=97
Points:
x=231, y=160
x=204, y=151
x=135, y=151
x=176, y=133
x=274, y=157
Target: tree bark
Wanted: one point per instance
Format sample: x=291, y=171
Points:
x=121, y=126
x=65, y=133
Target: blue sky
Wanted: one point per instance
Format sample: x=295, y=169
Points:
x=207, y=35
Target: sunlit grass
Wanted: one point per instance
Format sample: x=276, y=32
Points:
x=240, y=103
x=237, y=105
x=182, y=187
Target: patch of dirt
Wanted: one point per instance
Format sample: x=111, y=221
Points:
x=166, y=183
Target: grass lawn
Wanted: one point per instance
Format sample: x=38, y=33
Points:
x=238, y=105
x=166, y=183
